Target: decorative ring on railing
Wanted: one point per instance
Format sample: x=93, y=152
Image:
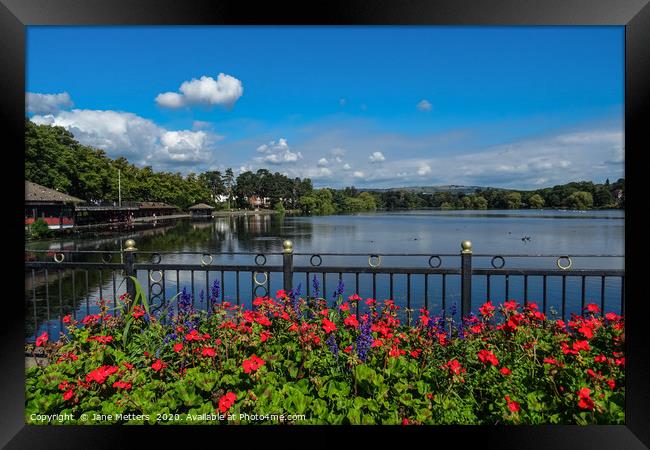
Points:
x=56, y=257
x=107, y=257
x=156, y=294
x=438, y=259
x=260, y=286
x=568, y=266
x=266, y=277
x=500, y=258
x=257, y=259
x=311, y=260
x=207, y=262
x=376, y=257
x=156, y=258
x=151, y=278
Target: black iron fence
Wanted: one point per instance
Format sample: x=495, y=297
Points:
x=419, y=281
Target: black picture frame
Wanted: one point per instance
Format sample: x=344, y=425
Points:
x=15, y=15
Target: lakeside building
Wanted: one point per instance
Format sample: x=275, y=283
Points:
x=55, y=208
x=201, y=211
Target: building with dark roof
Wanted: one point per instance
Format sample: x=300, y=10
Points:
x=201, y=210
x=56, y=208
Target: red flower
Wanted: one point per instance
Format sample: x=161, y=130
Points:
x=127, y=365
x=293, y=327
x=585, y=401
x=487, y=356
x=67, y=395
x=487, y=309
x=351, y=321
x=138, y=311
x=510, y=305
x=588, y=332
x=281, y=294
x=600, y=359
x=612, y=316
x=122, y=385
x=264, y=335
x=371, y=302
x=550, y=361
x=328, y=325
x=416, y=353
x=226, y=402
x=505, y=371
x=100, y=374
x=158, y=365
x=581, y=345
x=514, y=406
x=208, y=351
x=454, y=367
x=67, y=319
x=178, y=347
x=345, y=307
x=593, y=308
x=377, y=343
x=100, y=339
x=252, y=364
x=354, y=298
x=611, y=384
x=348, y=349
x=42, y=339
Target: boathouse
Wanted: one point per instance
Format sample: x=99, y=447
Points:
x=201, y=211
x=55, y=208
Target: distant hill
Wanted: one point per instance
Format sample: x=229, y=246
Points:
x=432, y=189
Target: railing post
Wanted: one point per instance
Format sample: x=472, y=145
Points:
x=129, y=260
x=287, y=265
x=466, y=278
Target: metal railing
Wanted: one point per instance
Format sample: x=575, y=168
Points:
x=467, y=277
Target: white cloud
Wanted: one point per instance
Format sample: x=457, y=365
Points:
x=277, y=153
x=424, y=105
x=358, y=174
x=424, y=169
x=47, y=103
x=207, y=91
x=323, y=162
x=347, y=166
x=138, y=139
x=377, y=157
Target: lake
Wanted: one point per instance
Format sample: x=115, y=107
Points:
x=429, y=232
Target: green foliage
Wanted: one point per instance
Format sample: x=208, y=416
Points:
x=522, y=369
x=536, y=201
x=580, y=200
x=38, y=229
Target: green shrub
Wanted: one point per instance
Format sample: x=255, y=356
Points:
x=331, y=366
x=39, y=229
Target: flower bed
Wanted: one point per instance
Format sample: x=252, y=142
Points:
x=292, y=356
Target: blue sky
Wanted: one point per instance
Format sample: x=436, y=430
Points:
x=516, y=107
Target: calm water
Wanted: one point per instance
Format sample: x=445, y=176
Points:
x=426, y=232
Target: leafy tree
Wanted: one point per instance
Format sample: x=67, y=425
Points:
x=536, y=201
x=513, y=200
x=580, y=200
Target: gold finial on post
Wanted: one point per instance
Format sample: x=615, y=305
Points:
x=130, y=245
x=288, y=246
x=466, y=247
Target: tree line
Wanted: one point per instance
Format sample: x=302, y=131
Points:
x=53, y=158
